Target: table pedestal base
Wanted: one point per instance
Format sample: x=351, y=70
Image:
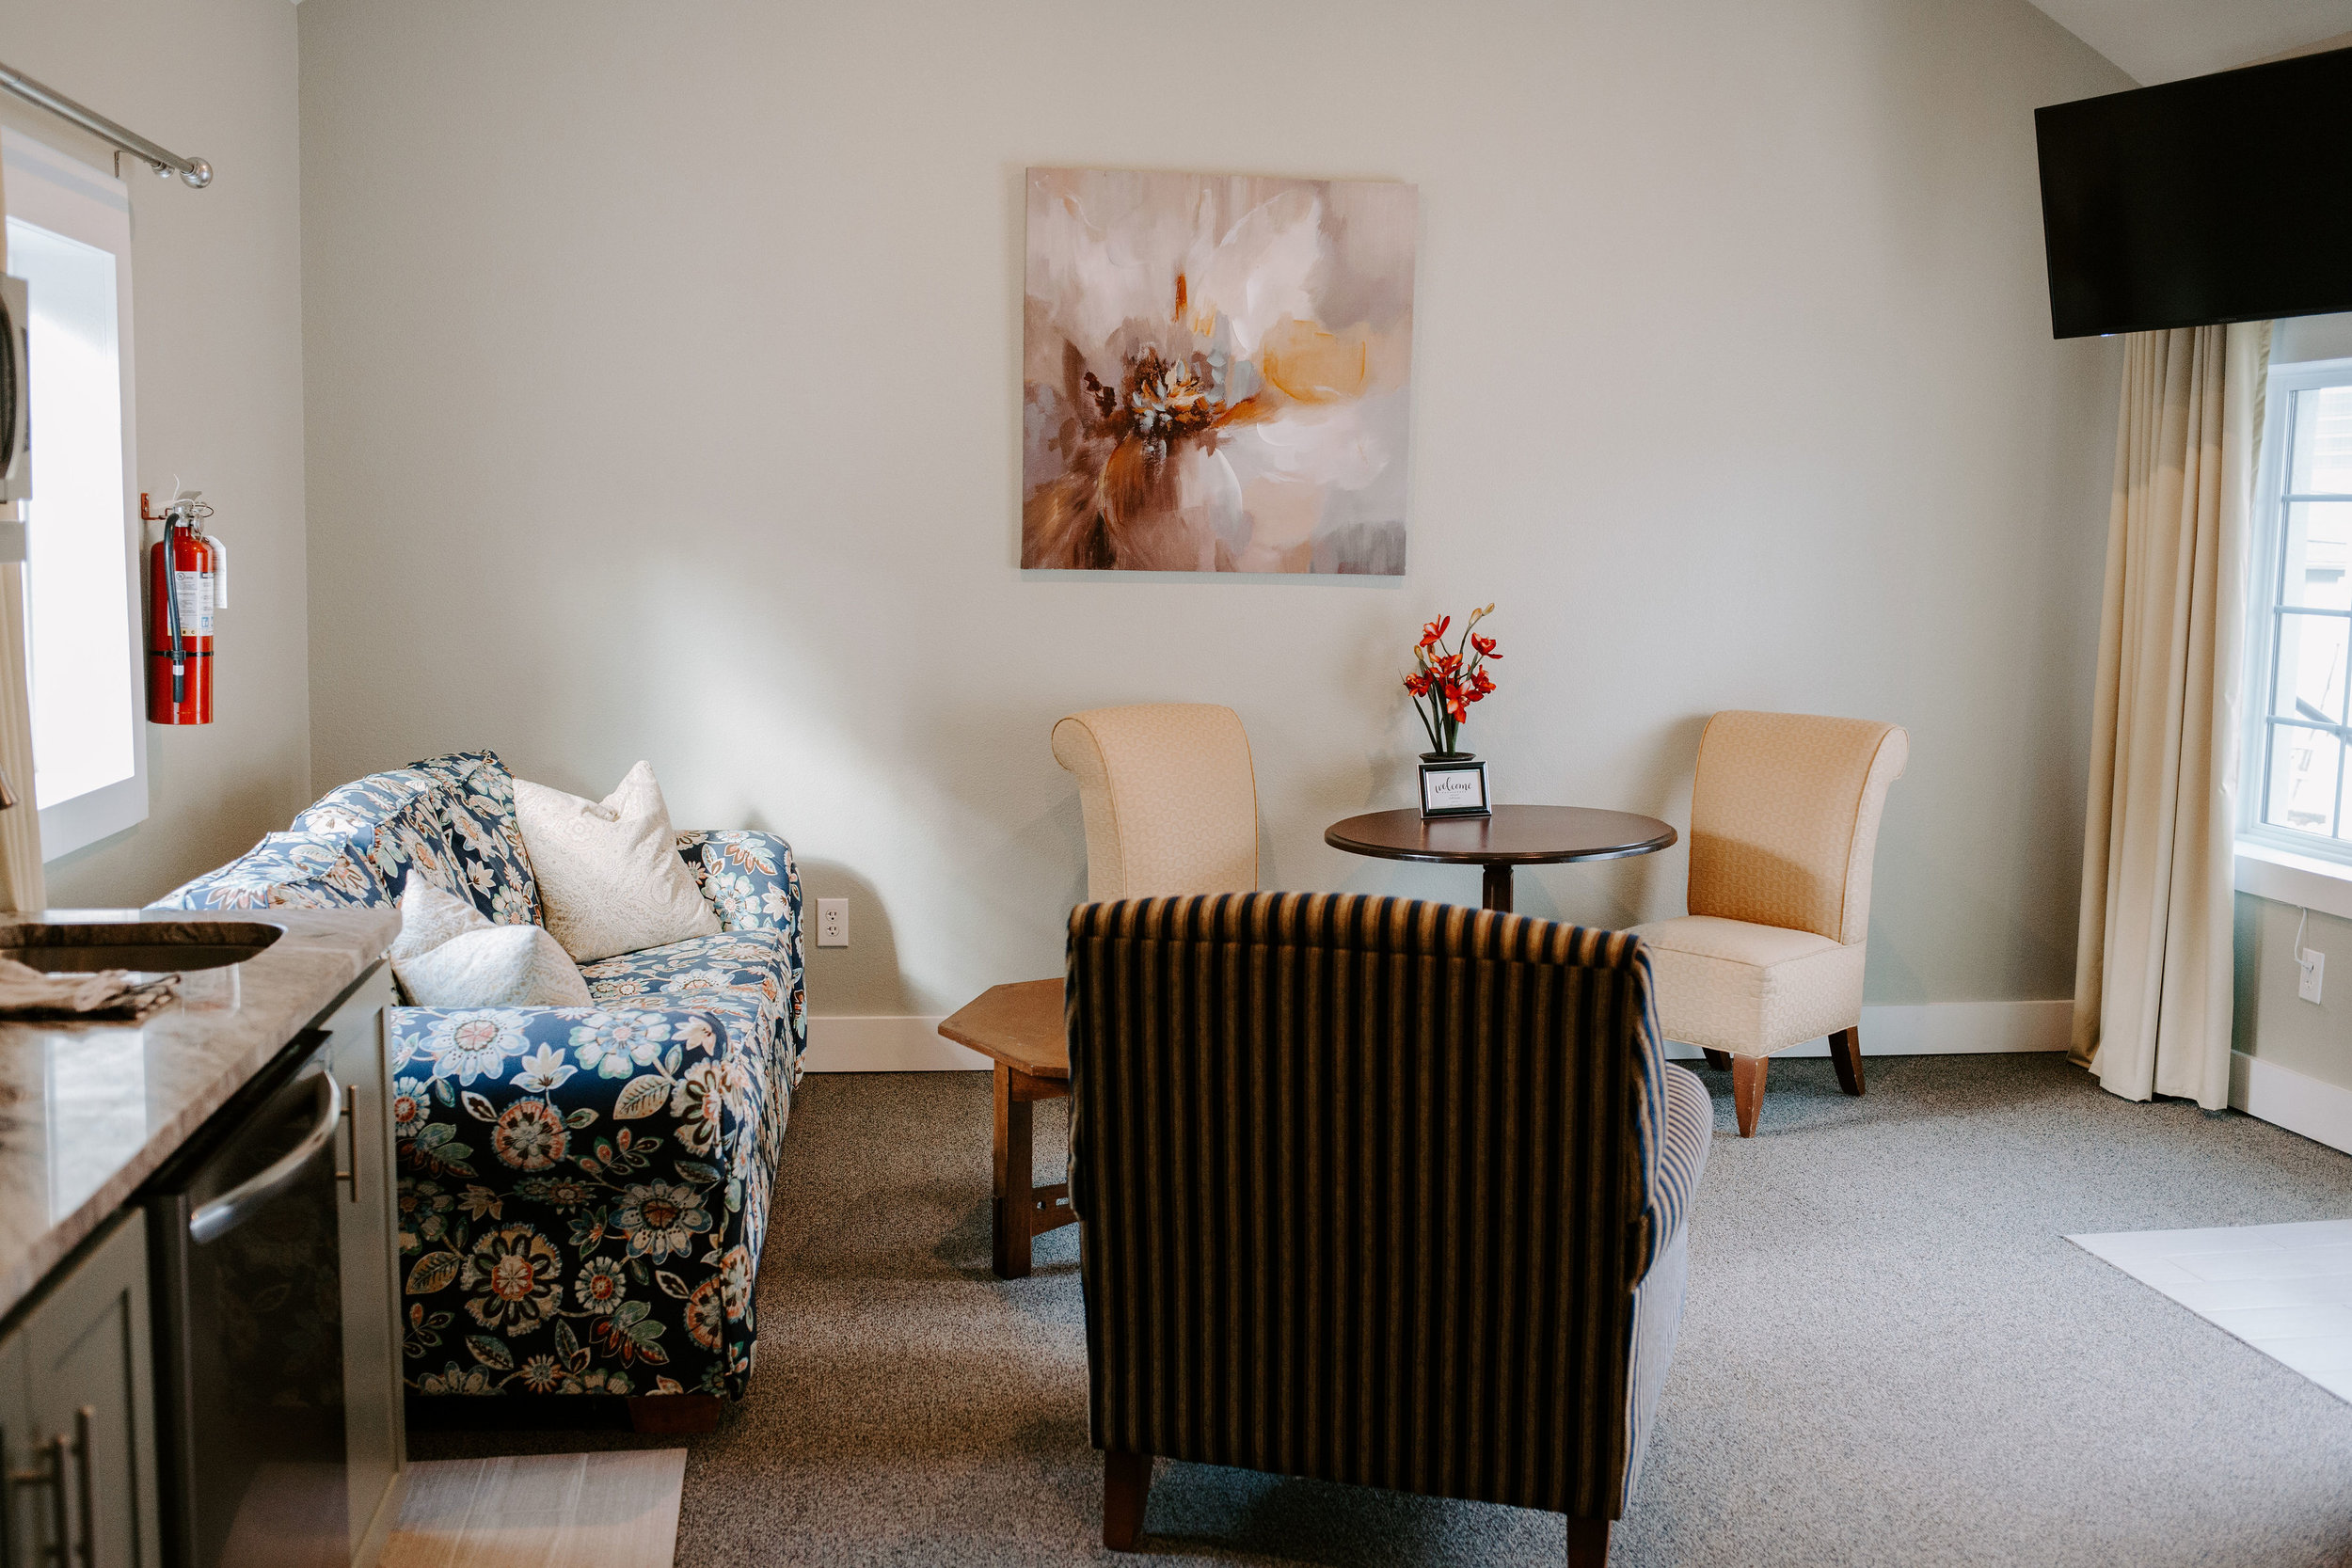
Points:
x=1496, y=893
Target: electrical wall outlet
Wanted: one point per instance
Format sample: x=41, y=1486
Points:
x=2313, y=963
x=833, y=923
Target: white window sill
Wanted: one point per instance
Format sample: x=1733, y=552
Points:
x=2284, y=876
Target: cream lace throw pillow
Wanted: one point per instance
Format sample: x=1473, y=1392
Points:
x=448, y=956
x=610, y=874
x=429, y=917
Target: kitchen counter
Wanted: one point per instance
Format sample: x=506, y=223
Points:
x=89, y=1111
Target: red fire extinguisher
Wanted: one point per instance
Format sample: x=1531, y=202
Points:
x=187, y=579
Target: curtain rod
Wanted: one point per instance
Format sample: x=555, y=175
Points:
x=196, y=171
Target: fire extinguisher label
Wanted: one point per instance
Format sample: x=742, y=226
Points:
x=193, y=590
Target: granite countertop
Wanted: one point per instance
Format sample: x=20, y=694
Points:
x=89, y=1111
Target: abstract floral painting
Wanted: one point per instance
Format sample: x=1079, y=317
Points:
x=1216, y=372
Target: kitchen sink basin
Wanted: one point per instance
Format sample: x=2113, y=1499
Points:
x=155, y=946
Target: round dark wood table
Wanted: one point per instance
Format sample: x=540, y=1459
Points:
x=1514, y=836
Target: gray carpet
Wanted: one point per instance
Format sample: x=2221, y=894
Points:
x=1890, y=1355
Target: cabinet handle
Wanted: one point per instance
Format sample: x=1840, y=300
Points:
x=59, y=1452
x=86, y=1451
x=51, y=1476
x=351, y=1130
x=9, y=1481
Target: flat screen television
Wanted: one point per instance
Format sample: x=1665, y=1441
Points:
x=2220, y=198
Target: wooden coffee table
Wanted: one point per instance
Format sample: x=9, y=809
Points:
x=1019, y=1027
x=1514, y=836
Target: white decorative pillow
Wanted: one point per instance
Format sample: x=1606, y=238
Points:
x=498, y=966
x=429, y=917
x=610, y=874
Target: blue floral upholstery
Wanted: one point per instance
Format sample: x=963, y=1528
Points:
x=476, y=811
x=583, y=1190
x=284, y=870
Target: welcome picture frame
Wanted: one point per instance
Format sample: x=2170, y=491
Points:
x=1454, y=789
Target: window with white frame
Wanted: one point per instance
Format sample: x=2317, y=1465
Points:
x=68, y=232
x=2295, y=784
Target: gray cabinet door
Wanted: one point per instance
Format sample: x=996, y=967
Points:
x=371, y=1330
x=77, y=1399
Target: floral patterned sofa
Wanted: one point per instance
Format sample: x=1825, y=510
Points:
x=583, y=1190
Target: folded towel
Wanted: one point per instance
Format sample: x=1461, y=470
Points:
x=26, y=992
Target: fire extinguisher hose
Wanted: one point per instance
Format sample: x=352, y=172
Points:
x=171, y=599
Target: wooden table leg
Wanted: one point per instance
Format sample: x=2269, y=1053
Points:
x=1495, y=894
x=1014, y=1204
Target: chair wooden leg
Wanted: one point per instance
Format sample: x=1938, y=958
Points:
x=1588, y=1539
x=1747, y=1090
x=1845, y=1049
x=1127, y=1487
x=1719, y=1060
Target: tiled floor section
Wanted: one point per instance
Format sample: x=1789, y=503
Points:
x=2286, y=1290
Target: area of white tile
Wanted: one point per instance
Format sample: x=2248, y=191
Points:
x=2286, y=1290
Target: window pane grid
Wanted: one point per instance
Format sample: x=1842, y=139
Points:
x=2308, y=711
x=2307, y=716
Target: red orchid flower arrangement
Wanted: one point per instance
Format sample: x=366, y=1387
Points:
x=1445, y=682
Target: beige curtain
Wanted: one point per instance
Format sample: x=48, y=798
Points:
x=2152, y=968
x=22, y=885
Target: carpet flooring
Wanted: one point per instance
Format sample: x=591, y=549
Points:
x=1890, y=1355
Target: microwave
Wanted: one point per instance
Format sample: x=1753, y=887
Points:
x=16, y=416
x=16, y=398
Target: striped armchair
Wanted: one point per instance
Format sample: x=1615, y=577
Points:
x=1377, y=1192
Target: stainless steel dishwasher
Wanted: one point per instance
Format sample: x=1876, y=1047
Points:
x=246, y=1275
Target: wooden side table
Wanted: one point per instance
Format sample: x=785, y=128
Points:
x=1020, y=1028
x=1513, y=836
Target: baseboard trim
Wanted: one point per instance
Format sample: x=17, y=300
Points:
x=1948, y=1029
x=2318, y=1110
x=911, y=1043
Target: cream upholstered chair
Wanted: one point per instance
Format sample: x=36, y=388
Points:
x=1784, y=819
x=1169, y=797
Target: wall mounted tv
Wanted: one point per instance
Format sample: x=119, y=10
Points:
x=2220, y=198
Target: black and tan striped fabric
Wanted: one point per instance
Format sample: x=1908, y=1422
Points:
x=1365, y=1186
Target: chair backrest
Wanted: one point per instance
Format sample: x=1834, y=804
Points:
x=1169, y=797
x=1784, y=819
x=1365, y=1186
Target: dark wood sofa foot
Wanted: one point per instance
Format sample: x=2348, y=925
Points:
x=1127, y=1487
x=672, y=1415
x=1588, y=1543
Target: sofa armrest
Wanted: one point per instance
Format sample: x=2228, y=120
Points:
x=749, y=878
x=595, y=1154
x=626, y=1073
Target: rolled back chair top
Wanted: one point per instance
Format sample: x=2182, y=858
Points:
x=1784, y=819
x=1169, y=796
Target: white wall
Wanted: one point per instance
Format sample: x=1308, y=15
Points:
x=217, y=331
x=2312, y=337
x=662, y=391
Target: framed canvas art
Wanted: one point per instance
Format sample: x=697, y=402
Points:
x=1216, y=372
